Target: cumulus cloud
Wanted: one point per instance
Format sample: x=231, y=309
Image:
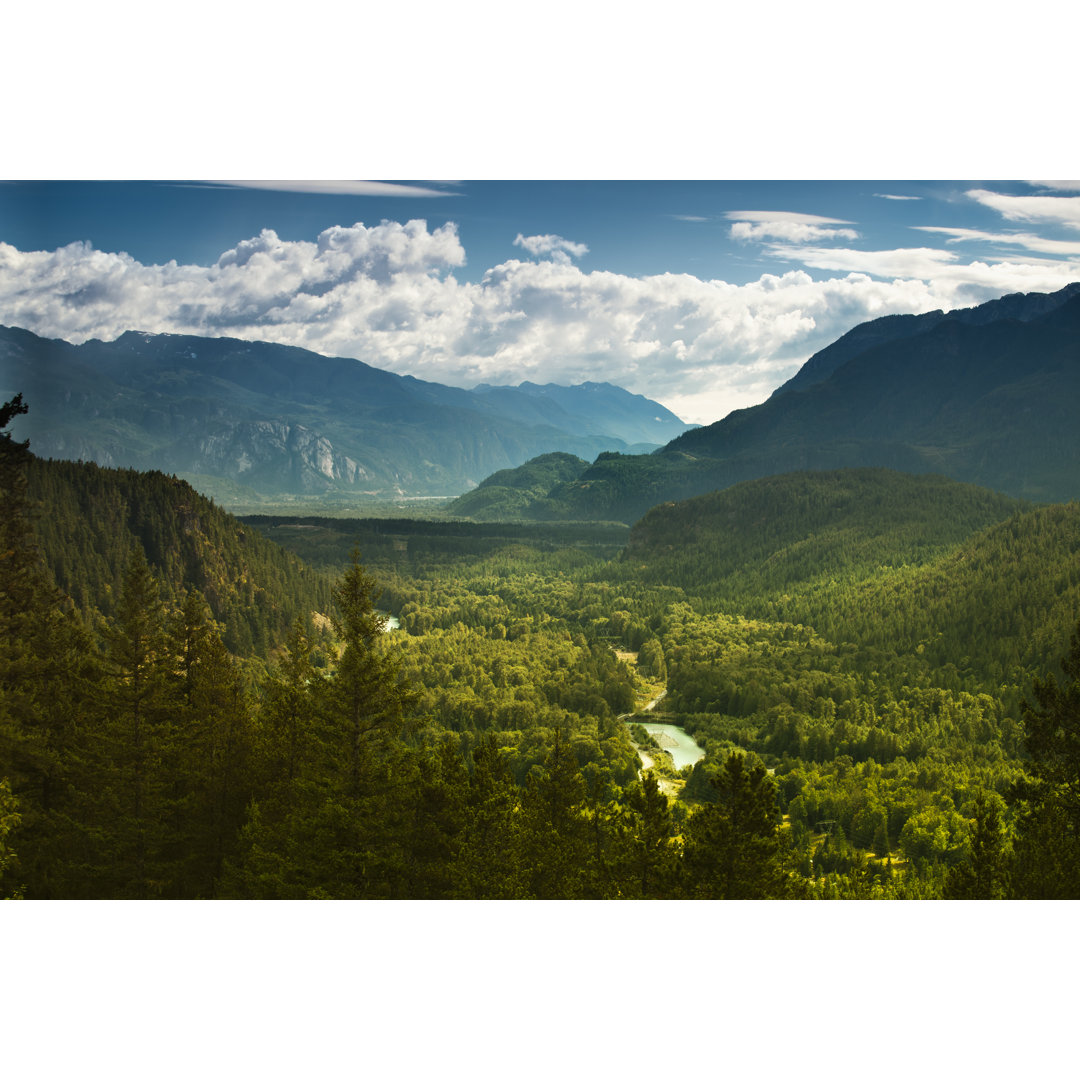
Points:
x=1044, y=209
x=559, y=249
x=387, y=295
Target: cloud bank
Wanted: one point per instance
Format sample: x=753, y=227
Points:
x=387, y=295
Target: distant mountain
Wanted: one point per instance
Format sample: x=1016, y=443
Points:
x=989, y=395
x=600, y=408
x=278, y=419
x=1023, y=307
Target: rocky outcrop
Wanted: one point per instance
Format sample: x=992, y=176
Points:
x=274, y=448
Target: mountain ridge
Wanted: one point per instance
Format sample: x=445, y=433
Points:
x=981, y=399
x=281, y=419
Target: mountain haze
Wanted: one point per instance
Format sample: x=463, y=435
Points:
x=279, y=419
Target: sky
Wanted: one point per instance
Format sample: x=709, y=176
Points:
x=703, y=295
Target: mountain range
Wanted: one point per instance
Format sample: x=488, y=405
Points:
x=274, y=419
x=987, y=395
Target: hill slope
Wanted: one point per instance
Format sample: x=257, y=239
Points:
x=765, y=535
x=90, y=519
x=945, y=574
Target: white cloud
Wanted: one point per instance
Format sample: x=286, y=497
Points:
x=1046, y=209
x=792, y=231
x=387, y=294
x=943, y=270
x=559, y=249
x=791, y=227
x=898, y=198
x=897, y=262
x=1056, y=185
x=783, y=215
x=1025, y=240
x=339, y=187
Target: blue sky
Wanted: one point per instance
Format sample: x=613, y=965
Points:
x=704, y=295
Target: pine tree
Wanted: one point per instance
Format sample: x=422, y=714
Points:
x=984, y=875
x=337, y=828
x=47, y=689
x=365, y=699
x=654, y=857
x=487, y=865
x=135, y=802
x=209, y=760
x=732, y=845
x=287, y=738
x=1047, y=849
x=9, y=823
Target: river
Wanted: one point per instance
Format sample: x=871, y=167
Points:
x=681, y=747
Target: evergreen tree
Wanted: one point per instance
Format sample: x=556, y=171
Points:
x=9, y=823
x=47, y=686
x=334, y=821
x=984, y=875
x=654, y=855
x=732, y=845
x=210, y=755
x=286, y=737
x=1047, y=848
x=488, y=863
x=365, y=699
x=136, y=802
x=553, y=833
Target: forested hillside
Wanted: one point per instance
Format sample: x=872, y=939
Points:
x=866, y=660
x=967, y=580
x=89, y=521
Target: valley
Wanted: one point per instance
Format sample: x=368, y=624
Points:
x=843, y=682
x=853, y=625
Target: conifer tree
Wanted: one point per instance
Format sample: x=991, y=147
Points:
x=210, y=753
x=732, y=845
x=654, y=857
x=47, y=682
x=365, y=698
x=9, y=823
x=487, y=865
x=984, y=875
x=1047, y=849
x=137, y=737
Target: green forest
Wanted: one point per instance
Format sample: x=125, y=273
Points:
x=882, y=672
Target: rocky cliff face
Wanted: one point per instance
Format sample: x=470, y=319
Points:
x=255, y=450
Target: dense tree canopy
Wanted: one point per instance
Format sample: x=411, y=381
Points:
x=189, y=710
